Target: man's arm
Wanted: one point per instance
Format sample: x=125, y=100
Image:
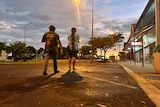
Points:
x=59, y=42
x=60, y=45
x=44, y=38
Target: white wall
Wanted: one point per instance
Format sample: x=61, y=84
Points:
x=3, y=55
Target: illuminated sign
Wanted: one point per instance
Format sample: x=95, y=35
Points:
x=137, y=43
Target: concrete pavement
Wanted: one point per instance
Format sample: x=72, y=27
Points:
x=28, y=85
x=146, y=78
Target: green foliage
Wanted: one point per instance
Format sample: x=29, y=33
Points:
x=107, y=41
x=104, y=43
x=156, y=49
x=19, y=50
x=31, y=49
x=31, y=52
x=8, y=49
x=151, y=49
x=40, y=50
x=85, y=50
x=2, y=46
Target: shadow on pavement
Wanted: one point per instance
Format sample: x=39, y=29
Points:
x=70, y=78
x=20, y=85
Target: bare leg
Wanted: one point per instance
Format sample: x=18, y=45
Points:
x=73, y=62
x=69, y=62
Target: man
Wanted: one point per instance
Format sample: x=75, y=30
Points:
x=73, y=40
x=52, y=41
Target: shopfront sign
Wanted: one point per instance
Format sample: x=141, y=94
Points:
x=137, y=43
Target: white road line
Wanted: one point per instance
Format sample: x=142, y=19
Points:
x=111, y=82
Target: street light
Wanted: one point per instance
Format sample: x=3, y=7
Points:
x=77, y=1
x=78, y=12
x=25, y=28
x=111, y=33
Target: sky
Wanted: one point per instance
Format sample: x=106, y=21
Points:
x=37, y=15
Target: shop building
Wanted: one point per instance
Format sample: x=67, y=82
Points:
x=144, y=34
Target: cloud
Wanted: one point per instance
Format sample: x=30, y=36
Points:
x=135, y=5
x=16, y=14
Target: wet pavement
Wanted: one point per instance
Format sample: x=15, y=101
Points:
x=95, y=85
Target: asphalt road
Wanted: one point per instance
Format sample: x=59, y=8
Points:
x=96, y=85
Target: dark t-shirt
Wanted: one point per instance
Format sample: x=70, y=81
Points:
x=51, y=42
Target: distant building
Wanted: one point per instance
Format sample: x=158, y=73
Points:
x=145, y=33
x=2, y=51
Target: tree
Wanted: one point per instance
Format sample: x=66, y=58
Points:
x=8, y=49
x=18, y=50
x=105, y=43
x=31, y=53
x=40, y=53
x=40, y=50
x=2, y=46
x=85, y=50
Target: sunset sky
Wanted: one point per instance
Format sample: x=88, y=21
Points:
x=38, y=15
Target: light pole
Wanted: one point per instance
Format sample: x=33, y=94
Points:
x=92, y=48
x=25, y=34
x=92, y=28
x=25, y=29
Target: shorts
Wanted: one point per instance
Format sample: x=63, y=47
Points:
x=72, y=53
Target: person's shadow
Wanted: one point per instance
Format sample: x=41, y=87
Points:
x=70, y=78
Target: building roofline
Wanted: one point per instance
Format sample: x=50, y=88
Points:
x=150, y=2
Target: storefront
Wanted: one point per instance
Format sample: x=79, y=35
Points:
x=144, y=33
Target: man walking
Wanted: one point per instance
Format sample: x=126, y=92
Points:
x=51, y=39
x=73, y=40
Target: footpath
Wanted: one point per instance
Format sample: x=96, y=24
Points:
x=145, y=77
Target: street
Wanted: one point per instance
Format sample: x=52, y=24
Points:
x=97, y=85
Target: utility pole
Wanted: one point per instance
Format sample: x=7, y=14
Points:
x=25, y=31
